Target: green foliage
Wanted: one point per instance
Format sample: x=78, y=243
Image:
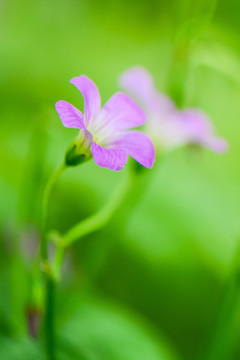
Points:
x=105, y=331
x=153, y=280
x=21, y=349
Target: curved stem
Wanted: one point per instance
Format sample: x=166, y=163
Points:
x=101, y=217
x=93, y=222
x=58, y=260
x=49, y=281
x=49, y=318
x=45, y=203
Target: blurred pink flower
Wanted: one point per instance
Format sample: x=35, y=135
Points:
x=168, y=126
x=105, y=131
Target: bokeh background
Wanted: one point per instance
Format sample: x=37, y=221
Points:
x=160, y=281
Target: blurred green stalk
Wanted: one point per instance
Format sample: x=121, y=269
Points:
x=93, y=222
x=101, y=217
x=48, y=279
x=45, y=204
x=224, y=335
x=192, y=19
x=49, y=320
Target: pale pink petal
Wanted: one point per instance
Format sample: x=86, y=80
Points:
x=196, y=122
x=216, y=144
x=113, y=159
x=92, y=99
x=138, y=145
x=200, y=130
x=138, y=82
x=119, y=113
x=71, y=117
x=168, y=126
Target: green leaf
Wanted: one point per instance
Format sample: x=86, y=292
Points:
x=19, y=348
x=106, y=332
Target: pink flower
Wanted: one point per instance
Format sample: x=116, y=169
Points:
x=105, y=132
x=167, y=126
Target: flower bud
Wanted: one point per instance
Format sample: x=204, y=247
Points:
x=80, y=149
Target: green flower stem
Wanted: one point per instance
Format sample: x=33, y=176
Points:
x=46, y=196
x=49, y=318
x=101, y=217
x=225, y=330
x=48, y=328
x=93, y=222
x=57, y=262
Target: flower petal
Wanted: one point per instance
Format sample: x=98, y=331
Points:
x=92, y=99
x=196, y=122
x=119, y=113
x=200, y=130
x=71, y=117
x=113, y=159
x=138, y=82
x=138, y=145
x=216, y=144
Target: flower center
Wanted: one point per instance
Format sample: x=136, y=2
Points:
x=95, y=138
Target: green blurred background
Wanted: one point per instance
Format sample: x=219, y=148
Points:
x=160, y=281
